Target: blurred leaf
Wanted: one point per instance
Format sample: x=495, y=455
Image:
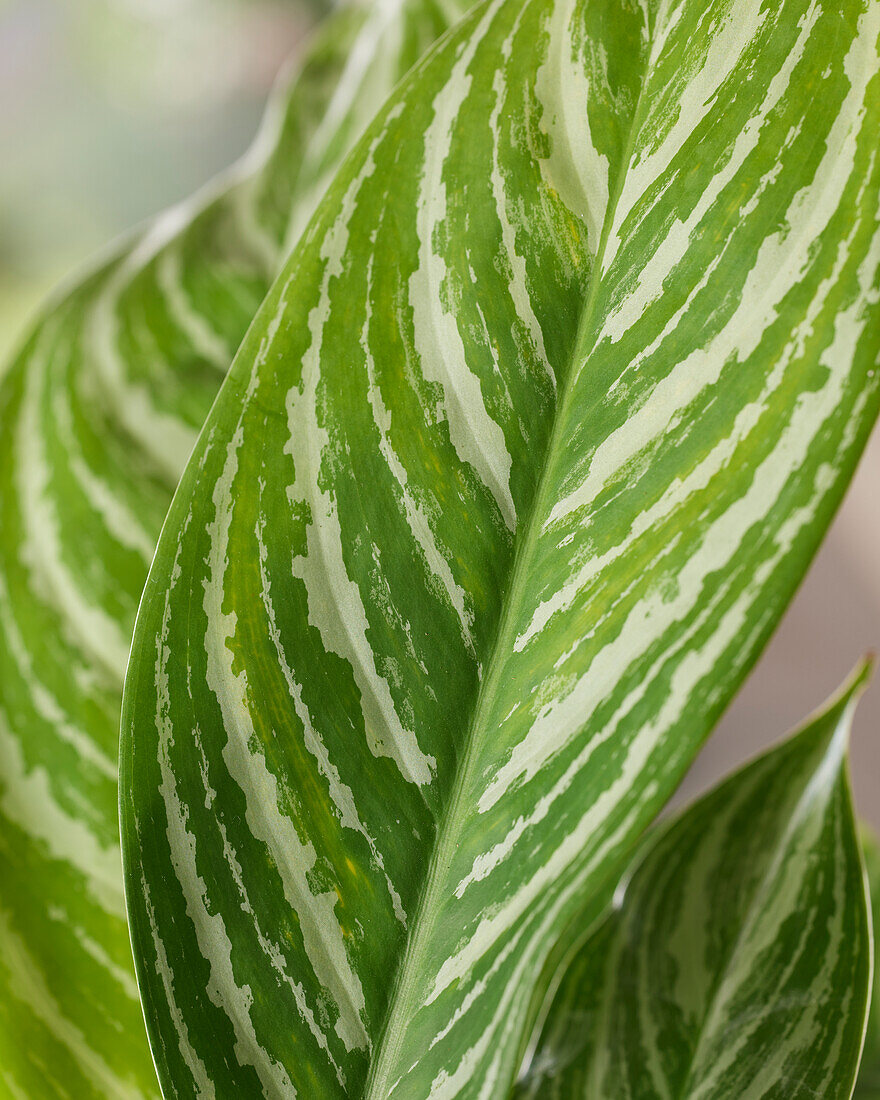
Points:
x=735, y=962
x=98, y=414
x=868, y=1087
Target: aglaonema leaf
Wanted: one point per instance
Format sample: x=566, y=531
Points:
x=97, y=417
x=518, y=465
x=868, y=1086
x=736, y=960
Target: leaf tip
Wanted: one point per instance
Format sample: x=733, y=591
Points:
x=829, y=727
x=860, y=677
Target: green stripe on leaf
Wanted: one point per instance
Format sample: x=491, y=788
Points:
x=519, y=464
x=735, y=960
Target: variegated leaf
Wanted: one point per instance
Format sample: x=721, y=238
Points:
x=868, y=1087
x=736, y=960
x=97, y=417
x=518, y=465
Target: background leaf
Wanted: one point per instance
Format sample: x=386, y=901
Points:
x=868, y=1087
x=517, y=467
x=97, y=417
x=735, y=962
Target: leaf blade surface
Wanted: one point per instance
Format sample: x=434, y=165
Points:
x=98, y=414
x=454, y=587
x=735, y=962
x=868, y=1085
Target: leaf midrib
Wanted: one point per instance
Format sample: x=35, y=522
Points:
x=408, y=981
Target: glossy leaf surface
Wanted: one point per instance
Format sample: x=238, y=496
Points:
x=516, y=469
x=868, y=1087
x=736, y=960
x=97, y=417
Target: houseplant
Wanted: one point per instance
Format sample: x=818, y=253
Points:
x=518, y=464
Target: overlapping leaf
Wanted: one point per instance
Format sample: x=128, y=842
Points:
x=515, y=471
x=736, y=960
x=868, y=1087
x=97, y=417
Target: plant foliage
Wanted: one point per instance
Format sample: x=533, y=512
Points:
x=98, y=414
x=516, y=468
x=868, y=1087
x=735, y=962
x=547, y=387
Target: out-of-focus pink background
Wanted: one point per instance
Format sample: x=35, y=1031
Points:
x=110, y=110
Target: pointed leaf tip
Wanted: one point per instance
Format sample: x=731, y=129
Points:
x=830, y=725
x=863, y=673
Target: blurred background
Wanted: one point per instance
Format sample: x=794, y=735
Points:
x=111, y=110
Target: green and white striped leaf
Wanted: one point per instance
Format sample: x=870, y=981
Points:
x=97, y=417
x=518, y=465
x=736, y=960
x=868, y=1087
